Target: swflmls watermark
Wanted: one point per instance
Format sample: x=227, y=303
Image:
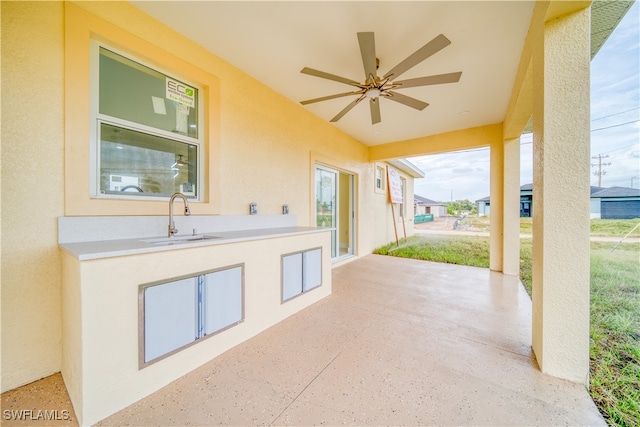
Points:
x=36, y=415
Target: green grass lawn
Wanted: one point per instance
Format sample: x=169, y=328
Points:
x=599, y=227
x=614, y=227
x=615, y=331
x=615, y=309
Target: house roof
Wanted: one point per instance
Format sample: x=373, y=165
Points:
x=424, y=201
x=407, y=167
x=529, y=187
x=605, y=16
x=486, y=37
x=615, y=192
x=525, y=187
x=600, y=192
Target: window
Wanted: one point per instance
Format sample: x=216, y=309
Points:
x=380, y=179
x=403, y=185
x=147, y=139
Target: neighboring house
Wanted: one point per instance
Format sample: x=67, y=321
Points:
x=428, y=206
x=606, y=203
x=615, y=203
x=526, y=204
x=108, y=108
x=526, y=200
x=484, y=206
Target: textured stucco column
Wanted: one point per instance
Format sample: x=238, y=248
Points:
x=561, y=196
x=496, y=249
x=511, y=201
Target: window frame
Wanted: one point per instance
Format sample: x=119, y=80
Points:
x=97, y=118
x=382, y=169
x=403, y=187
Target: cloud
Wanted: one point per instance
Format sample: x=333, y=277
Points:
x=615, y=101
x=462, y=170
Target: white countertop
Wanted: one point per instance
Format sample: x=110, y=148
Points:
x=113, y=248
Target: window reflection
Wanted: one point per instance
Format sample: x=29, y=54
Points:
x=147, y=165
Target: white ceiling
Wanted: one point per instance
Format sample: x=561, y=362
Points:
x=273, y=41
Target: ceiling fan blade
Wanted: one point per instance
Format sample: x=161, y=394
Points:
x=429, y=80
x=325, y=98
x=434, y=46
x=407, y=100
x=347, y=109
x=323, y=75
x=368, y=52
x=374, y=105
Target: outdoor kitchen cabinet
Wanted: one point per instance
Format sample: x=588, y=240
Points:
x=180, y=312
x=202, y=299
x=301, y=272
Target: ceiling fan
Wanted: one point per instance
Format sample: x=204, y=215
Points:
x=375, y=87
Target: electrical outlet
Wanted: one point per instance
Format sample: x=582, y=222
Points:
x=253, y=209
x=285, y=209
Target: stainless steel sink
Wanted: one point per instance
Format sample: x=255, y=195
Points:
x=180, y=239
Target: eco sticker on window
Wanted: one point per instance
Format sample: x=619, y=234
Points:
x=181, y=93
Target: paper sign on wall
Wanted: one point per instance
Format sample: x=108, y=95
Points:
x=395, y=186
x=180, y=93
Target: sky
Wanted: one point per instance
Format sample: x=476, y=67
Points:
x=615, y=128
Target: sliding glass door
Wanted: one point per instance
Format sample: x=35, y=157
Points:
x=335, y=208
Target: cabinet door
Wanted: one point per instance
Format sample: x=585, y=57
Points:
x=170, y=317
x=291, y=276
x=312, y=269
x=222, y=299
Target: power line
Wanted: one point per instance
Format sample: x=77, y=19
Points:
x=531, y=133
x=615, y=126
x=635, y=144
x=592, y=130
x=615, y=114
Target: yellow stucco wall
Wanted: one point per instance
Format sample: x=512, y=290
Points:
x=32, y=189
x=463, y=139
x=561, y=136
x=263, y=151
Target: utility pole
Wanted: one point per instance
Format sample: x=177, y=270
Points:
x=599, y=172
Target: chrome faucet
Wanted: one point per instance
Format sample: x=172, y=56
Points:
x=172, y=226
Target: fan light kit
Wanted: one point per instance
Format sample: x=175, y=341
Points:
x=375, y=87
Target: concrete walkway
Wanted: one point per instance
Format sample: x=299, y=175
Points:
x=399, y=342
x=444, y=226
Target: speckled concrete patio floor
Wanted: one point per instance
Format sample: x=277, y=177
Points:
x=399, y=342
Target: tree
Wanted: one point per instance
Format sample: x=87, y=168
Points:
x=462, y=207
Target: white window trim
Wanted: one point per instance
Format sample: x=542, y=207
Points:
x=383, y=171
x=96, y=118
x=401, y=208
